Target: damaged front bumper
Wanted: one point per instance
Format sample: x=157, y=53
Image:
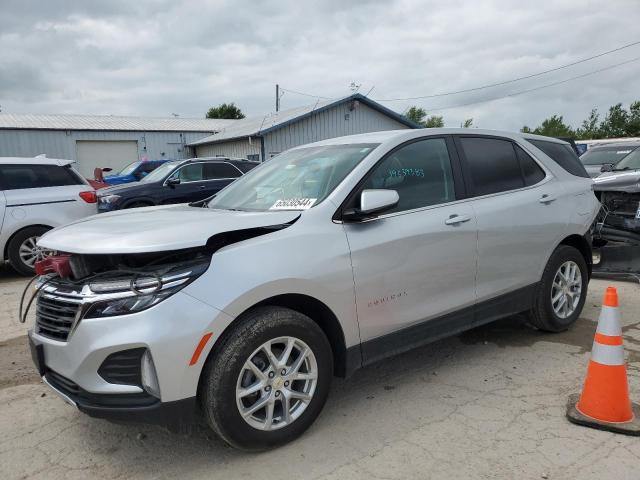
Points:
x=616, y=236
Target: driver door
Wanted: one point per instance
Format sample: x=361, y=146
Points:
x=191, y=187
x=414, y=266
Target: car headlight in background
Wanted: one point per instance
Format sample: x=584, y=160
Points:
x=109, y=199
x=130, y=293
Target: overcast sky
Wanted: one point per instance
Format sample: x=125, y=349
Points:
x=155, y=58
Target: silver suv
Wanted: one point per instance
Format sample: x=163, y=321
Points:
x=326, y=258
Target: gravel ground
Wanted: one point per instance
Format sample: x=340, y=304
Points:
x=489, y=403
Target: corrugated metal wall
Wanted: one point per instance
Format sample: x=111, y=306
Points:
x=331, y=123
x=233, y=148
x=334, y=122
x=62, y=144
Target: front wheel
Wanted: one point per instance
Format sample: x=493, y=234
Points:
x=23, y=251
x=562, y=291
x=267, y=380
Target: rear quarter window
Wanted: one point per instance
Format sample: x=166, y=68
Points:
x=563, y=155
x=19, y=176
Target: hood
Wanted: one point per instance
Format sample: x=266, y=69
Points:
x=113, y=179
x=625, y=181
x=119, y=189
x=155, y=229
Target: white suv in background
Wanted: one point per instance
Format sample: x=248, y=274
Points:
x=36, y=195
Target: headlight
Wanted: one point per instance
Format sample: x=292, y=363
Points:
x=109, y=199
x=132, y=293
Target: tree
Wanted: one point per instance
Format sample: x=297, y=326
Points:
x=468, y=123
x=434, y=121
x=225, y=110
x=615, y=123
x=416, y=115
x=590, y=129
x=633, y=123
x=553, y=126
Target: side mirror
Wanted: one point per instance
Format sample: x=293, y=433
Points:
x=173, y=181
x=372, y=202
x=607, y=167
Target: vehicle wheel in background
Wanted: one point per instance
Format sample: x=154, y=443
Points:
x=267, y=380
x=23, y=251
x=561, y=292
x=139, y=205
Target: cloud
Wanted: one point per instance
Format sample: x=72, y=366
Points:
x=158, y=57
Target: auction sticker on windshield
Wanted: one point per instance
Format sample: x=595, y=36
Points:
x=294, y=204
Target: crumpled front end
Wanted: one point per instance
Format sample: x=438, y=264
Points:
x=616, y=238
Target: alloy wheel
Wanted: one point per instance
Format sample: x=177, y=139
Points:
x=566, y=289
x=276, y=383
x=30, y=252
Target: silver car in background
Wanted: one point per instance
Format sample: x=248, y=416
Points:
x=326, y=258
x=36, y=195
x=605, y=158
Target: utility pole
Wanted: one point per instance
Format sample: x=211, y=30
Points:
x=277, y=97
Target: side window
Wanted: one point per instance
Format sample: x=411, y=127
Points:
x=15, y=177
x=189, y=173
x=492, y=165
x=148, y=167
x=420, y=172
x=213, y=171
x=563, y=155
x=531, y=171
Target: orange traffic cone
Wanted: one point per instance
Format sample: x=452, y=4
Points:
x=604, y=402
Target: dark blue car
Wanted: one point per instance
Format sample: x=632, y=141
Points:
x=178, y=181
x=133, y=172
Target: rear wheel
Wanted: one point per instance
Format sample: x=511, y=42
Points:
x=562, y=291
x=268, y=379
x=23, y=251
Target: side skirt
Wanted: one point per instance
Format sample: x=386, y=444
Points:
x=447, y=325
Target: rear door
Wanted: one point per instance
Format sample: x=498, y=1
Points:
x=520, y=211
x=414, y=264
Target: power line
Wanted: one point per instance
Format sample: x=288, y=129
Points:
x=506, y=82
x=522, y=92
x=482, y=87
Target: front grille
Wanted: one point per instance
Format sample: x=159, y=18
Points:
x=55, y=317
x=123, y=367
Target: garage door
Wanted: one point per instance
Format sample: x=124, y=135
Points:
x=113, y=154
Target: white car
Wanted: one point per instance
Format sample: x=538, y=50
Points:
x=36, y=195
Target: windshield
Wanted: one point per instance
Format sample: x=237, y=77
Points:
x=630, y=162
x=160, y=172
x=602, y=155
x=128, y=169
x=294, y=180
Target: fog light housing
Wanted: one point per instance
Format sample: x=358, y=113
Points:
x=149, y=376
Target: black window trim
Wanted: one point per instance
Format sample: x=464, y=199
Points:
x=467, y=177
x=180, y=167
x=459, y=187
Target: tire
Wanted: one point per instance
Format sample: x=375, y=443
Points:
x=543, y=315
x=25, y=239
x=138, y=205
x=221, y=377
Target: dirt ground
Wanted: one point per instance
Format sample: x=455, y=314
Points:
x=489, y=403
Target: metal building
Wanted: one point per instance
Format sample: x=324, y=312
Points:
x=102, y=141
x=260, y=138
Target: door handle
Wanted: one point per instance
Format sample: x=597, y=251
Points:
x=547, y=199
x=457, y=219
x=202, y=187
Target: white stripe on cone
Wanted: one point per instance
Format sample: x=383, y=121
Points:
x=607, y=354
x=609, y=321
